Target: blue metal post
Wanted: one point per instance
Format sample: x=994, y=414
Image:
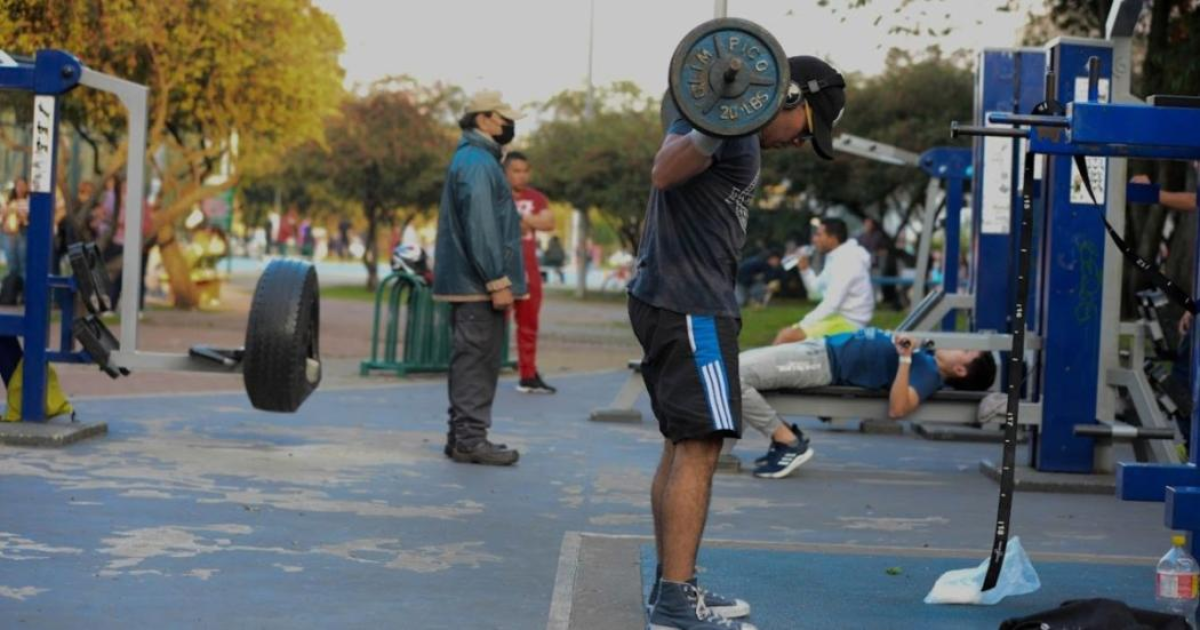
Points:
x=950, y=251
x=52, y=74
x=1006, y=80
x=1072, y=270
x=951, y=165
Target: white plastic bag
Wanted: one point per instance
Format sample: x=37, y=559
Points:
x=965, y=586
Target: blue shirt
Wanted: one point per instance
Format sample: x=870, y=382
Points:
x=694, y=233
x=868, y=359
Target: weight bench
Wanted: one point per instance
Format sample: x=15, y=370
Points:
x=837, y=401
x=621, y=409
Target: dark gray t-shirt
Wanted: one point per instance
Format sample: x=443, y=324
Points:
x=694, y=232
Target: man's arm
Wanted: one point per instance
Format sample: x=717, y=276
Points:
x=542, y=221
x=1182, y=201
x=481, y=230
x=810, y=280
x=903, y=398
x=682, y=157
x=835, y=293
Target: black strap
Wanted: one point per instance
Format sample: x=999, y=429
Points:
x=1157, y=278
x=1016, y=379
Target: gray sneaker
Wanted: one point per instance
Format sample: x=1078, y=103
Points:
x=727, y=607
x=681, y=606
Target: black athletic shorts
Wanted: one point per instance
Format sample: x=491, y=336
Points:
x=690, y=365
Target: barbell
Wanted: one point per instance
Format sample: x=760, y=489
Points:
x=728, y=78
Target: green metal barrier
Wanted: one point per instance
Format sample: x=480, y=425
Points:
x=427, y=343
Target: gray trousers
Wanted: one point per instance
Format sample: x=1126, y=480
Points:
x=478, y=339
x=788, y=366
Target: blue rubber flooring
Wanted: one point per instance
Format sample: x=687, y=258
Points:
x=793, y=590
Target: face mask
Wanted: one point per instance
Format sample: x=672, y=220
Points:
x=507, y=132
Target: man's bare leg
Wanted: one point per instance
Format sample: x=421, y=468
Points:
x=784, y=435
x=656, y=496
x=684, y=505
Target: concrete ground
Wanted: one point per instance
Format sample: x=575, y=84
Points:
x=197, y=511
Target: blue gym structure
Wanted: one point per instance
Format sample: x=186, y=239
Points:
x=951, y=166
x=1006, y=80
x=948, y=168
x=1074, y=260
x=49, y=76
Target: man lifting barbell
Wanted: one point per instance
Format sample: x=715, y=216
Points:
x=736, y=94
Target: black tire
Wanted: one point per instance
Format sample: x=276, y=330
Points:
x=282, y=336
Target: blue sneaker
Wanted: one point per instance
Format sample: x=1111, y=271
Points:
x=783, y=460
x=681, y=606
x=727, y=607
x=759, y=461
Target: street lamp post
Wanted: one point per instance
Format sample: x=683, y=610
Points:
x=589, y=111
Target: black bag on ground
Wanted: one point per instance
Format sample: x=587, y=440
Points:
x=1096, y=614
x=11, y=289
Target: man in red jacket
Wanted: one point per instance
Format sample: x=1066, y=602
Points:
x=535, y=217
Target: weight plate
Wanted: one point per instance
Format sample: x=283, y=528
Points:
x=282, y=362
x=729, y=77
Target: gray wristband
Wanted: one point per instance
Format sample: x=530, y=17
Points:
x=705, y=144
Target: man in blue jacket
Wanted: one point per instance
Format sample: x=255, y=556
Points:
x=479, y=271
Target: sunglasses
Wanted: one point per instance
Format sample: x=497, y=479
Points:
x=793, y=98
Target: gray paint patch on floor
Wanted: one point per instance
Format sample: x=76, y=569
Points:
x=22, y=593
x=16, y=547
x=890, y=524
x=132, y=548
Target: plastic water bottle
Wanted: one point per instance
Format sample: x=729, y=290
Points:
x=1178, y=583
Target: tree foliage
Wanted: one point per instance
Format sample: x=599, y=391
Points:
x=602, y=162
x=895, y=108
x=237, y=80
x=385, y=150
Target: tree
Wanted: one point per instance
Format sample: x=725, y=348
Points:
x=892, y=108
x=602, y=162
x=237, y=82
x=389, y=149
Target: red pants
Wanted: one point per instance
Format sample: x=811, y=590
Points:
x=527, y=321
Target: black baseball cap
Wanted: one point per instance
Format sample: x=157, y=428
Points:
x=824, y=90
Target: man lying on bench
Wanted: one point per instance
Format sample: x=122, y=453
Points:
x=871, y=359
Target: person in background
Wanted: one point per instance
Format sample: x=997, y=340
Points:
x=555, y=257
x=757, y=275
x=869, y=358
x=844, y=287
x=536, y=217
x=14, y=220
x=479, y=273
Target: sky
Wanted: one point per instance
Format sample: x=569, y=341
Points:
x=533, y=49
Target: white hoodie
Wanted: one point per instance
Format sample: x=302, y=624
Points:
x=844, y=286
